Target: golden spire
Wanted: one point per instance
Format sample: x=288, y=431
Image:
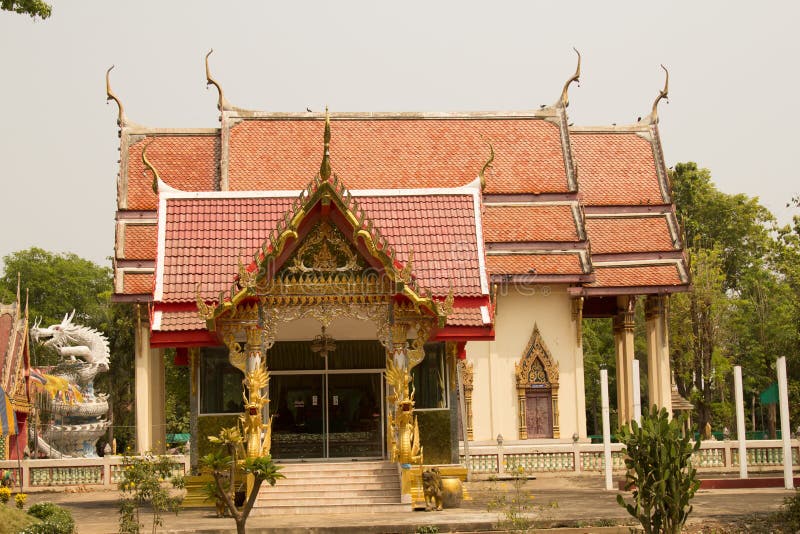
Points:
x=662, y=94
x=564, y=100
x=156, y=177
x=486, y=165
x=325, y=166
x=212, y=81
x=111, y=96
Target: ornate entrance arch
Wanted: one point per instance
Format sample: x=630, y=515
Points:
x=537, y=390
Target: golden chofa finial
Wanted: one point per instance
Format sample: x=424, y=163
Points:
x=111, y=96
x=221, y=102
x=325, y=166
x=661, y=95
x=156, y=177
x=564, y=100
x=482, y=174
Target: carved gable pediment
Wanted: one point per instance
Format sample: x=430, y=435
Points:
x=536, y=366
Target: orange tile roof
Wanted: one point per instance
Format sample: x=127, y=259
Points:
x=628, y=234
x=204, y=237
x=463, y=316
x=615, y=169
x=639, y=275
x=399, y=153
x=539, y=263
x=185, y=162
x=137, y=283
x=140, y=242
x=174, y=321
x=529, y=223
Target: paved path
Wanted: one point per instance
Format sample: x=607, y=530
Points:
x=564, y=501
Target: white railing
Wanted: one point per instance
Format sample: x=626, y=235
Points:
x=723, y=456
x=49, y=475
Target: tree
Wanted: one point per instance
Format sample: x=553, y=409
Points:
x=34, y=8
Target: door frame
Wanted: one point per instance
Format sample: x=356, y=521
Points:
x=326, y=423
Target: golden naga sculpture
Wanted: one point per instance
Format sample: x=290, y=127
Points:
x=255, y=381
x=403, y=437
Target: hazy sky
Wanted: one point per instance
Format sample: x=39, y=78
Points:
x=733, y=66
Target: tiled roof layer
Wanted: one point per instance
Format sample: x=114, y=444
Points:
x=399, y=153
x=188, y=163
x=529, y=223
x=205, y=237
x=640, y=275
x=615, y=169
x=140, y=242
x=549, y=264
x=176, y=321
x=628, y=234
x=137, y=283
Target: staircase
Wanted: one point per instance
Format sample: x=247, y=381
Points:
x=322, y=487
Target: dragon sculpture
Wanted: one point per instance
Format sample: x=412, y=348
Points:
x=84, y=352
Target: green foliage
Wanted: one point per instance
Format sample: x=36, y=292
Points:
x=789, y=515
x=55, y=519
x=176, y=378
x=598, y=350
x=13, y=521
x=659, y=472
x=515, y=508
x=142, y=483
x=223, y=462
x=34, y=8
x=427, y=529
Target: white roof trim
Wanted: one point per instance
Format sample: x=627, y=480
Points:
x=476, y=202
x=157, y=320
x=485, y=315
x=158, y=293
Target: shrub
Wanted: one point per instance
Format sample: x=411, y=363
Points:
x=789, y=515
x=659, y=472
x=143, y=483
x=55, y=519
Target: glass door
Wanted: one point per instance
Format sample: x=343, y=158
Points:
x=298, y=410
x=355, y=415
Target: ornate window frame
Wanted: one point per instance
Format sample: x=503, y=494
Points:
x=536, y=351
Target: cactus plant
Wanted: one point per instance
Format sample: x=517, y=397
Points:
x=658, y=460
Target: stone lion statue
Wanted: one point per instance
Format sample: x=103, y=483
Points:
x=432, y=488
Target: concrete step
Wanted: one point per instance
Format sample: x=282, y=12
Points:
x=378, y=495
x=381, y=508
x=333, y=487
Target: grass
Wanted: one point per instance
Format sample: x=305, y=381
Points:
x=13, y=520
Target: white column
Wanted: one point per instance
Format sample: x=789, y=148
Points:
x=150, y=404
x=786, y=430
x=637, y=393
x=740, y=429
x=606, y=428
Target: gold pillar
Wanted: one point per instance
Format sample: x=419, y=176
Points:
x=523, y=425
x=624, y=324
x=658, y=367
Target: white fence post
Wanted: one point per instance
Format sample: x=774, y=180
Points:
x=606, y=427
x=740, y=429
x=786, y=430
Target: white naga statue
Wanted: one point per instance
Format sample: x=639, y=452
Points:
x=77, y=424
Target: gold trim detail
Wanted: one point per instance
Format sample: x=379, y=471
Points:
x=536, y=368
x=467, y=383
x=663, y=94
x=121, y=120
x=564, y=100
x=149, y=166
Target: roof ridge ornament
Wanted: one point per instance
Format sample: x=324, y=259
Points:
x=222, y=102
x=156, y=177
x=325, y=165
x=563, y=102
x=486, y=165
x=663, y=94
x=121, y=119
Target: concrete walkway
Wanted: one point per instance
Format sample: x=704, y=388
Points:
x=571, y=501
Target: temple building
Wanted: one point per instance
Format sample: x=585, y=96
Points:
x=16, y=401
x=354, y=251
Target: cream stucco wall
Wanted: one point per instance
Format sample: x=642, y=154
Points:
x=494, y=397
